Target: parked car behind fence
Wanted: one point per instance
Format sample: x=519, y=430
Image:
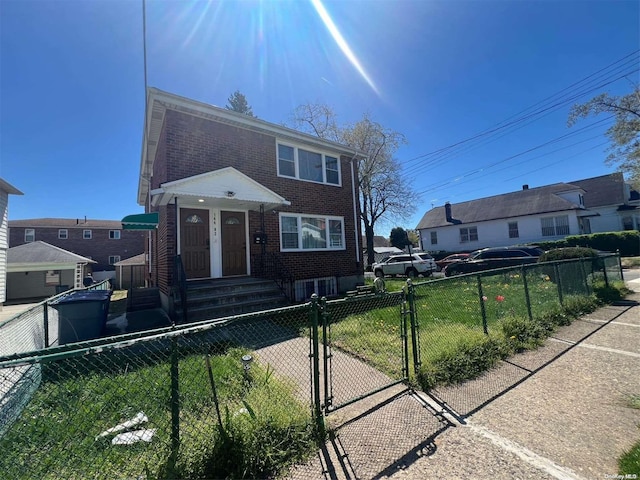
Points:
x=410, y=265
x=492, y=258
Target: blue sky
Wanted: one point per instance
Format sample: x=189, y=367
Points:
x=72, y=86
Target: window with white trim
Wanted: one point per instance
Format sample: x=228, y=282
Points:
x=468, y=234
x=63, y=234
x=308, y=165
x=114, y=259
x=114, y=234
x=513, y=230
x=86, y=234
x=553, y=226
x=311, y=232
x=51, y=278
x=324, y=287
x=434, y=238
x=29, y=235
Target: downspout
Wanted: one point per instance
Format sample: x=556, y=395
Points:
x=355, y=210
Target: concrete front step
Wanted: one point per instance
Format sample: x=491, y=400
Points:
x=226, y=297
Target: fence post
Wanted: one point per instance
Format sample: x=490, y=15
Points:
x=175, y=401
x=526, y=292
x=415, y=347
x=315, y=361
x=619, y=263
x=482, y=309
x=326, y=353
x=584, y=276
x=45, y=314
x=604, y=271
x=556, y=271
x=404, y=338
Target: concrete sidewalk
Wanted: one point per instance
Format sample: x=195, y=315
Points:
x=556, y=412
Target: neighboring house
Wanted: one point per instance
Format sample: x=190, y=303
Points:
x=103, y=241
x=381, y=249
x=235, y=193
x=131, y=272
x=532, y=215
x=6, y=189
x=38, y=270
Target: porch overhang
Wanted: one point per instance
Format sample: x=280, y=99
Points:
x=224, y=188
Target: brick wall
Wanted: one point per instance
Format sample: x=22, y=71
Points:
x=191, y=146
x=98, y=248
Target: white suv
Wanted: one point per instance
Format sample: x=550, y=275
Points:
x=409, y=265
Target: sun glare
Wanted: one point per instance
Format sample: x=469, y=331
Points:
x=341, y=42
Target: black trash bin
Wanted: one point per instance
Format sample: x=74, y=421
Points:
x=82, y=315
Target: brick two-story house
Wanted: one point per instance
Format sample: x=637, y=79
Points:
x=103, y=241
x=234, y=191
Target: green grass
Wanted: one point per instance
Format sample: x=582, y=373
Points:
x=629, y=462
x=264, y=427
x=453, y=346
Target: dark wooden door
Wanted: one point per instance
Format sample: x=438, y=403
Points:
x=194, y=242
x=234, y=244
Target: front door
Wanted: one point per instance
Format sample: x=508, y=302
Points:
x=234, y=244
x=194, y=242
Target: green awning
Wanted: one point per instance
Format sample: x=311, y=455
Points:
x=140, y=221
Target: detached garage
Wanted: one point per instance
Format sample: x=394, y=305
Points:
x=40, y=270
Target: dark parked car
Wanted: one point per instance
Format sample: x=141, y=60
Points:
x=456, y=257
x=492, y=258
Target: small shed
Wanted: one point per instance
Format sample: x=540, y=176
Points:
x=131, y=272
x=39, y=269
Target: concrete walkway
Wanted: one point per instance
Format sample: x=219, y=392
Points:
x=556, y=412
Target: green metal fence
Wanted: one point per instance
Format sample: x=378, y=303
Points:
x=244, y=396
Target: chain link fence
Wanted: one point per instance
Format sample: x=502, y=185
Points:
x=220, y=399
x=243, y=397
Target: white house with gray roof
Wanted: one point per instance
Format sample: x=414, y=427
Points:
x=532, y=215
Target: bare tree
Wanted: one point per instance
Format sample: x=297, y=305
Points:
x=385, y=193
x=624, y=133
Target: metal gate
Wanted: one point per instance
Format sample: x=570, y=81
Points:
x=359, y=347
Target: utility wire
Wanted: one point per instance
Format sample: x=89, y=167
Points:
x=556, y=101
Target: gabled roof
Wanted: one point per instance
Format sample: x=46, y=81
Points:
x=66, y=223
x=604, y=190
x=7, y=187
x=159, y=101
x=378, y=241
x=531, y=201
x=41, y=254
x=135, y=260
x=215, y=188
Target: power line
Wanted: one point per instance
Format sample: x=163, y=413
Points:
x=559, y=99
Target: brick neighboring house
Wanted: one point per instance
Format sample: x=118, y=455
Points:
x=232, y=191
x=103, y=241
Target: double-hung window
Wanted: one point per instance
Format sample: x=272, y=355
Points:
x=553, y=226
x=434, y=238
x=63, y=234
x=513, y=230
x=29, y=235
x=114, y=234
x=86, y=234
x=311, y=232
x=468, y=234
x=312, y=166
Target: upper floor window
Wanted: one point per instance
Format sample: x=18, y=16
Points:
x=434, y=238
x=581, y=199
x=553, y=226
x=86, y=234
x=306, y=232
x=114, y=259
x=513, y=230
x=307, y=165
x=29, y=235
x=114, y=234
x=469, y=234
x=63, y=234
